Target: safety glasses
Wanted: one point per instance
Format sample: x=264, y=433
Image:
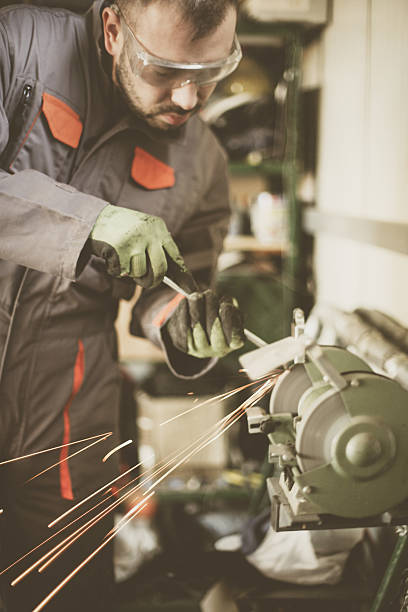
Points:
x=165, y=74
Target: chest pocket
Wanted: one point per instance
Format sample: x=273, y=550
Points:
x=44, y=134
x=155, y=187
x=63, y=121
x=150, y=172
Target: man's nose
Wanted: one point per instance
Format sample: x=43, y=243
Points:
x=186, y=97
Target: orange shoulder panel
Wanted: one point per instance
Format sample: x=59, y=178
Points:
x=65, y=124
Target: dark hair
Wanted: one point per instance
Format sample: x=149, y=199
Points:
x=204, y=15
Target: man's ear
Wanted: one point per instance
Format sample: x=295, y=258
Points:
x=112, y=31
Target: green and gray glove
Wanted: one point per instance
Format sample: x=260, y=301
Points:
x=204, y=325
x=134, y=244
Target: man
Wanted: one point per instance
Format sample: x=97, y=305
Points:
x=104, y=162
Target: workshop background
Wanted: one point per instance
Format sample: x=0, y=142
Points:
x=315, y=126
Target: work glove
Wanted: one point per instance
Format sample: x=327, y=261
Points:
x=136, y=245
x=204, y=325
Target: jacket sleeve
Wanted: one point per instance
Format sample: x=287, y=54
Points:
x=44, y=225
x=200, y=241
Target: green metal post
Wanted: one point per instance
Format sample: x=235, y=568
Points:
x=291, y=275
x=386, y=591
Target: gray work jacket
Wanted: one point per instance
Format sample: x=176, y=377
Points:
x=68, y=147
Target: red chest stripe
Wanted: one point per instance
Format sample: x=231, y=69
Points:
x=78, y=377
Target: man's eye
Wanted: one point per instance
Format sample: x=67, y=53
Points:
x=165, y=73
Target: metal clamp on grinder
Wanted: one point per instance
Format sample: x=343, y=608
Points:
x=338, y=436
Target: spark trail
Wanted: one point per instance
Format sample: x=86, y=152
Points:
x=114, y=450
x=68, y=457
x=44, y=602
x=48, y=450
x=221, y=396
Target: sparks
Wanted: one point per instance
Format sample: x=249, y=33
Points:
x=44, y=602
x=207, y=438
x=48, y=450
x=74, y=536
x=234, y=416
x=59, y=518
x=136, y=507
x=65, y=543
x=221, y=396
x=3, y=571
x=193, y=452
x=116, y=449
x=69, y=457
x=212, y=434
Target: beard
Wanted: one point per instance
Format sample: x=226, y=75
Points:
x=125, y=82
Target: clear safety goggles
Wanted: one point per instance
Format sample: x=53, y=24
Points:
x=166, y=74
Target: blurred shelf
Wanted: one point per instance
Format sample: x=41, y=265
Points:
x=235, y=494
x=278, y=32
x=261, y=40
x=266, y=167
x=272, y=30
x=250, y=243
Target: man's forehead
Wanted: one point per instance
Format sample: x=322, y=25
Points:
x=173, y=37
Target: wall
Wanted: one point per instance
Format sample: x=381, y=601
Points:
x=361, y=66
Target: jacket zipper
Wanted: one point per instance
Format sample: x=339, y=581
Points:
x=25, y=100
x=26, y=95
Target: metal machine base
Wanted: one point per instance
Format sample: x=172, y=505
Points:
x=283, y=518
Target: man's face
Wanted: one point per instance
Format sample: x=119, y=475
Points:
x=167, y=37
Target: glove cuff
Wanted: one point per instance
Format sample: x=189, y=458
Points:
x=181, y=364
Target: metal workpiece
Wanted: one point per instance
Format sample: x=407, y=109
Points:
x=256, y=340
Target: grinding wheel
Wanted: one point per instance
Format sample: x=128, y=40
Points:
x=318, y=427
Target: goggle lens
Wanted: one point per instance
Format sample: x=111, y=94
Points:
x=164, y=77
